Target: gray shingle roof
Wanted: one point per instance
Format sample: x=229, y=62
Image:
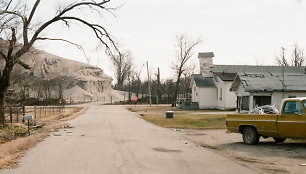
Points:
x=255, y=82
x=226, y=76
x=201, y=81
x=256, y=69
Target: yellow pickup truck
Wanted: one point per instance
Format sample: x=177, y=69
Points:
x=290, y=123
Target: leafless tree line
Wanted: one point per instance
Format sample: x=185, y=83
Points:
x=297, y=57
x=163, y=91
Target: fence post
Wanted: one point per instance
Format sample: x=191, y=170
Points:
x=45, y=111
x=23, y=110
x=39, y=111
x=35, y=111
x=17, y=113
x=11, y=115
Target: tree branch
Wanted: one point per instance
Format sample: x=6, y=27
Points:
x=45, y=38
x=98, y=30
x=11, y=12
x=33, y=11
x=2, y=55
x=8, y=5
x=12, y=43
x=24, y=65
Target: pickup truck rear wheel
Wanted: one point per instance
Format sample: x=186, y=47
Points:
x=250, y=136
x=279, y=140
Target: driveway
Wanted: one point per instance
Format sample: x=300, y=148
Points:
x=265, y=157
x=111, y=140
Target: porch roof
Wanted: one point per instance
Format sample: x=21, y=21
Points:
x=201, y=81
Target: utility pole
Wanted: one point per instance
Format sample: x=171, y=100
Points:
x=283, y=74
x=149, y=85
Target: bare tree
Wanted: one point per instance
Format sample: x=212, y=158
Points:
x=19, y=24
x=158, y=88
x=297, y=57
x=184, y=49
x=122, y=64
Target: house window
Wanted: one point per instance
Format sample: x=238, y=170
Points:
x=262, y=100
x=220, y=93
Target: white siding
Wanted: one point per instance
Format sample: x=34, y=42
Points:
x=229, y=96
x=207, y=97
x=277, y=97
x=195, y=94
x=225, y=98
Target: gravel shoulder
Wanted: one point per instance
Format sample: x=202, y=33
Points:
x=266, y=157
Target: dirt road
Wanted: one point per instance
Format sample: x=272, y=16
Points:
x=112, y=140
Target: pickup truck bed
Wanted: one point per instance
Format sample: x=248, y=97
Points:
x=265, y=124
x=291, y=123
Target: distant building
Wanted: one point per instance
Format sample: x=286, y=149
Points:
x=238, y=86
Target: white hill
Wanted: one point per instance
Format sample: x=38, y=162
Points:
x=51, y=76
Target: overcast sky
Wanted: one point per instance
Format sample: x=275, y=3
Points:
x=237, y=31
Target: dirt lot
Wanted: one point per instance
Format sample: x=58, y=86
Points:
x=266, y=157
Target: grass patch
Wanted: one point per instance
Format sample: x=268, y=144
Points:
x=11, y=132
x=188, y=121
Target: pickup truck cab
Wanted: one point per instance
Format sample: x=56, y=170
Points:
x=290, y=123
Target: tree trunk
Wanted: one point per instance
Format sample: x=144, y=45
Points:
x=158, y=86
x=5, y=83
x=2, y=117
x=176, y=90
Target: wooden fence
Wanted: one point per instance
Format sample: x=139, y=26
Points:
x=14, y=114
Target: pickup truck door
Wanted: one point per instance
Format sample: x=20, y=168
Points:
x=292, y=122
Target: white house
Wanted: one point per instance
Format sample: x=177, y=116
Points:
x=210, y=89
x=243, y=86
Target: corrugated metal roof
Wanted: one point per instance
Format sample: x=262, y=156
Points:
x=255, y=82
x=206, y=54
x=201, y=81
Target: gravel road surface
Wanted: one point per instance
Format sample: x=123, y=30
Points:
x=111, y=140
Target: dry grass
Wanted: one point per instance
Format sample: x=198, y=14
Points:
x=153, y=109
x=12, y=151
x=188, y=121
x=197, y=119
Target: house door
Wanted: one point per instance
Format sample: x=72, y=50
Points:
x=245, y=102
x=292, y=122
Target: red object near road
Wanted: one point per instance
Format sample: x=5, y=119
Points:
x=135, y=99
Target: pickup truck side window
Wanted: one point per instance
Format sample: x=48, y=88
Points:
x=292, y=107
x=304, y=102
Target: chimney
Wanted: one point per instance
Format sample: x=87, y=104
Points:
x=206, y=63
